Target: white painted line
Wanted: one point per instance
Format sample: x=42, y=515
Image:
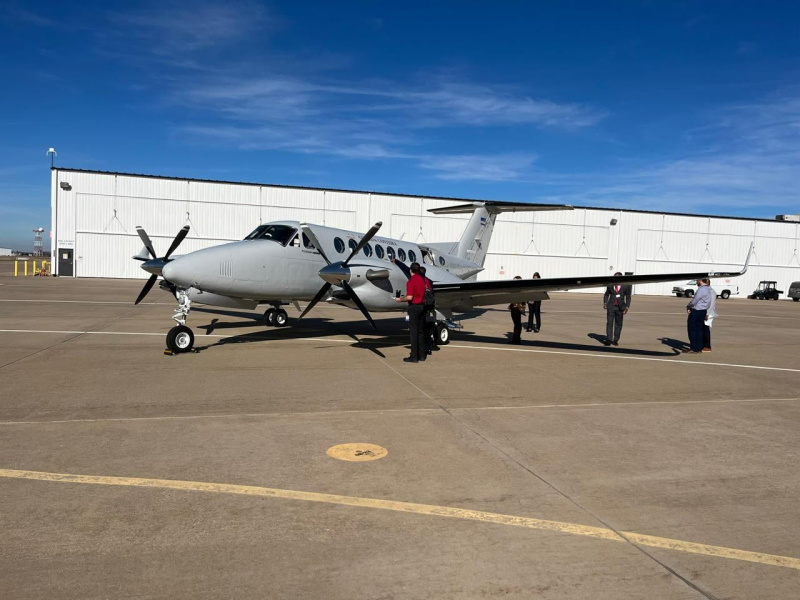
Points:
x=672, y=361
x=370, y=411
x=86, y=302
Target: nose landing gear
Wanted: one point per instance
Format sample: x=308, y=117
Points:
x=180, y=338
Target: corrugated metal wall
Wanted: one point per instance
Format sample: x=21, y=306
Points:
x=98, y=214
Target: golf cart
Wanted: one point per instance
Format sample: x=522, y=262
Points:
x=766, y=290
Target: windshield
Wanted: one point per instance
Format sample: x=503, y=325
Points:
x=277, y=233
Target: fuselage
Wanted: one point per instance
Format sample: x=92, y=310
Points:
x=278, y=263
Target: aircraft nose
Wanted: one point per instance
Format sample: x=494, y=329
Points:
x=174, y=272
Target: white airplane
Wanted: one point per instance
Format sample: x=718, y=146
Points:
x=282, y=262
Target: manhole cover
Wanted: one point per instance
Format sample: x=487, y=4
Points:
x=358, y=452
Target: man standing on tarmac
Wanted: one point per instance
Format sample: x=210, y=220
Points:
x=616, y=301
x=415, y=296
x=697, y=310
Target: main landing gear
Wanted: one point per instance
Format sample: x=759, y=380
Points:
x=276, y=317
x=180, y=338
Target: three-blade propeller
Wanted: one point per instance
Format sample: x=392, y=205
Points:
x=156, y=264
x=338, y=273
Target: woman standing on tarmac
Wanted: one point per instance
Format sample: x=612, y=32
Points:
x=517, y=310
x=535, y=309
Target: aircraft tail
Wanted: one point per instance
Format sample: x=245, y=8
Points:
x=474, y=242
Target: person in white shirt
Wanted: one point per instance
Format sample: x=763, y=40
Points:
x=697, y=309
x=711, y=314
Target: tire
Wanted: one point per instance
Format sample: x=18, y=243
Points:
x=281, y=318
x=442, y=335
x=677, y=295
x=269, y=317
x=796, y=299
x=180, y=339
x=725, y=294
x=688, y=293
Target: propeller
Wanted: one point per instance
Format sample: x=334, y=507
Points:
x=338, y=273
x=155, y=265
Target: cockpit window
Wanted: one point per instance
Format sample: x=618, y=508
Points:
x=277, y=233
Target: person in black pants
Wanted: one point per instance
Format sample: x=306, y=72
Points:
x=517, y=310
x=429, y=325
x=535, y=312
x=415, y=296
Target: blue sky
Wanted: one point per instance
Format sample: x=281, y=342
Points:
x=682, y=106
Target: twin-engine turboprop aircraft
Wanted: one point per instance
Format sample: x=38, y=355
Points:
x=284, y=262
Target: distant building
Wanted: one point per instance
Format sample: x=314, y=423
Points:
x=95, y=214
x=5, y=252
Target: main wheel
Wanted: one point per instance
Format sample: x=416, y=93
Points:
x=180, y=339
x=281, y=318
x=725, y=294
x=442, y=335
x=269, y=317
x=688, y=293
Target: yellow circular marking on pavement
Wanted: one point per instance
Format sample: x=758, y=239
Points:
x=358, y=452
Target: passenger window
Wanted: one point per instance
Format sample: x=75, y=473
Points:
x=352, y=244
x=401, y=254
x=441, y=260
x=367, y=250
x=389, y=252
x=378, y=250
x=412, y=257
x=338, y=243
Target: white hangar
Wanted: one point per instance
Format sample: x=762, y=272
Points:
x=94, y=216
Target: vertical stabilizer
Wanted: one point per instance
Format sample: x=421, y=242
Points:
x=474, y=243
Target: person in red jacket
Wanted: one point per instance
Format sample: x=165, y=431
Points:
x=415, y=296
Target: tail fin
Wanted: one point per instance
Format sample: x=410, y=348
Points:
x=474, y=243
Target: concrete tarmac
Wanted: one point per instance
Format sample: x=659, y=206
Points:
x=555, y=469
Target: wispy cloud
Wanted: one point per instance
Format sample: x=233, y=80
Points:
x=500, y=167
x=747, y=156
x=14, y=12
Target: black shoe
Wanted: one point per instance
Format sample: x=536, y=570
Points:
x=536, y=329
x=615, y=343
x=423, y=359
x=529, y=330
x=429, y=353
x=435, y=348
x=410, y=360
x=606, y=342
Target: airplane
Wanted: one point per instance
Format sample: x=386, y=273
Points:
x=282, y=262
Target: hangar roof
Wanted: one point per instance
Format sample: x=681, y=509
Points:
x=303, y=187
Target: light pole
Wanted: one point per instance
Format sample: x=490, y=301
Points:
x=52, y=152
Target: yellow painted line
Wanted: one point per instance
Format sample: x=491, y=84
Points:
x=418, y=509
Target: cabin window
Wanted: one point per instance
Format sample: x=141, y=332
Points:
x=401, y=254
x=338, y=243
x=441, y=260
x=367, y=250
x=412, y=257
x=389, y=252
x=352, y=244
x=275, y=233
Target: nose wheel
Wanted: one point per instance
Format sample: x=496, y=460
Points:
x=180, y=339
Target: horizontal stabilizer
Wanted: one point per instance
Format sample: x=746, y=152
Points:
x=494, y=207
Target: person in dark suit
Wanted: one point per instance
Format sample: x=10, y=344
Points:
x=616, y=301
x=535, y=312
x=517, y=310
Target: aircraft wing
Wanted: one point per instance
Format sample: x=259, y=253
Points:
x=486, y=293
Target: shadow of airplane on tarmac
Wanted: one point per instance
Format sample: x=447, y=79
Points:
x=393, y=332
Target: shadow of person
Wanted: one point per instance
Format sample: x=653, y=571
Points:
x=677, y=345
